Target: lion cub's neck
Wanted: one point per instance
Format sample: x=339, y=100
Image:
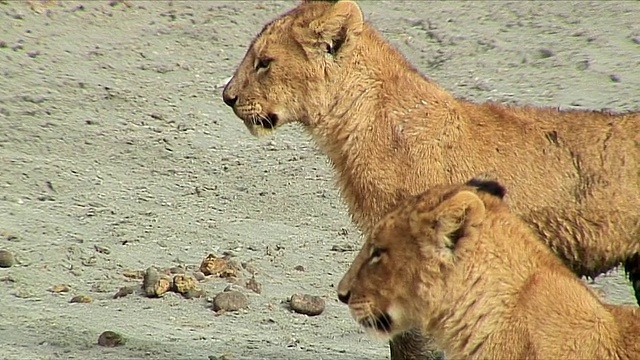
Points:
x=379, y=107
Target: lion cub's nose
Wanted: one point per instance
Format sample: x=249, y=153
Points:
x=229, y=99
x=344, y=297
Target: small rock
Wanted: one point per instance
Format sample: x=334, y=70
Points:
x=194, y=294
x=90, y=261
x=16, y=15
x=124, y=291
x=636, y=39
x=253, y=285
x=190, y=268
x=36, y=99
x=111, y=339
x=81, y=299
x=583, y=65
x=23, y=293
x=102, y=249
x=614, y=78
x=60, y=288
x=176, y=270
x=155, y=284
x=33, y=53
x=343, y=248
x=133, y=274
x=225, y=356
x=299, y=268
x=233, y=287
x=3, y=44
x=198, y=275
x=545, y=53
x=230, y=301
x=307, y=304
x=45, y=197
x=123, y=2
x=9, y=236
x=219, y=266
x=212, y=265
x=6, y=259
x=101, y=287
x=251, y=268
x=157, y=116
x=293, y=342
x=184, y=283
x=7, y=279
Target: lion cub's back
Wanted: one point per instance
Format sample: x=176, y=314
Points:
x=605, y=150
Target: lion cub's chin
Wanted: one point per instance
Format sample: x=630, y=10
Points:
x=259, y=131
x=260, y=126
x=388, y=326
x=378, y=335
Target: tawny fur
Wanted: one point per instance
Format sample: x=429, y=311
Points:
x=390, y=133
x=456, y=262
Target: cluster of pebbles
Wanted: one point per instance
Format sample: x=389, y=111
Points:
x=157, y=283
x=185, y=281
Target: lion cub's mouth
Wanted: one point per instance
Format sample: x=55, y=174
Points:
x=262, y=125
x=268, y=122
x=381, y=323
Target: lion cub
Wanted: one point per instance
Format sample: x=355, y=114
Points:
x=456, y=262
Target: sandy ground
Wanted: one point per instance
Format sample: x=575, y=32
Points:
x=113, y=135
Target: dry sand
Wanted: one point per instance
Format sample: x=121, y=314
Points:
x=113, y=134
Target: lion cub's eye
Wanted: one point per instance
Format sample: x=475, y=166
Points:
x=376, y=253
x=263, y=63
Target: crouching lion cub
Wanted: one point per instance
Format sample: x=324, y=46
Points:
x=457, y=263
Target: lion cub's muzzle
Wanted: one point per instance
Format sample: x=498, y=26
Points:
x=251, y=112
x=381, y=323
x=255, y=119
x=369, y=317
x=267, y=122
x=260, y=125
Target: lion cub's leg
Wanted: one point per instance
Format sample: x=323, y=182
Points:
x=632, y=267
x=412, y=345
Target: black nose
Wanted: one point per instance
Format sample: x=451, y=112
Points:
x=228, y=99
x=344, y=297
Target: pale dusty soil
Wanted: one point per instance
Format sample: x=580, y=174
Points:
x=119, y=109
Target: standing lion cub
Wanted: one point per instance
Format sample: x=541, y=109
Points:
x=457, y=263
x=390, y=132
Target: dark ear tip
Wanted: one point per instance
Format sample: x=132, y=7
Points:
x=490, y=186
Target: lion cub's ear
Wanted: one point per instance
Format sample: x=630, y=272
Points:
x=345, y=18
x=452, y=219
x=483, y=183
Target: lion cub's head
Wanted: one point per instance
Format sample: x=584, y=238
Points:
x=411, y=253
x=290, y=66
